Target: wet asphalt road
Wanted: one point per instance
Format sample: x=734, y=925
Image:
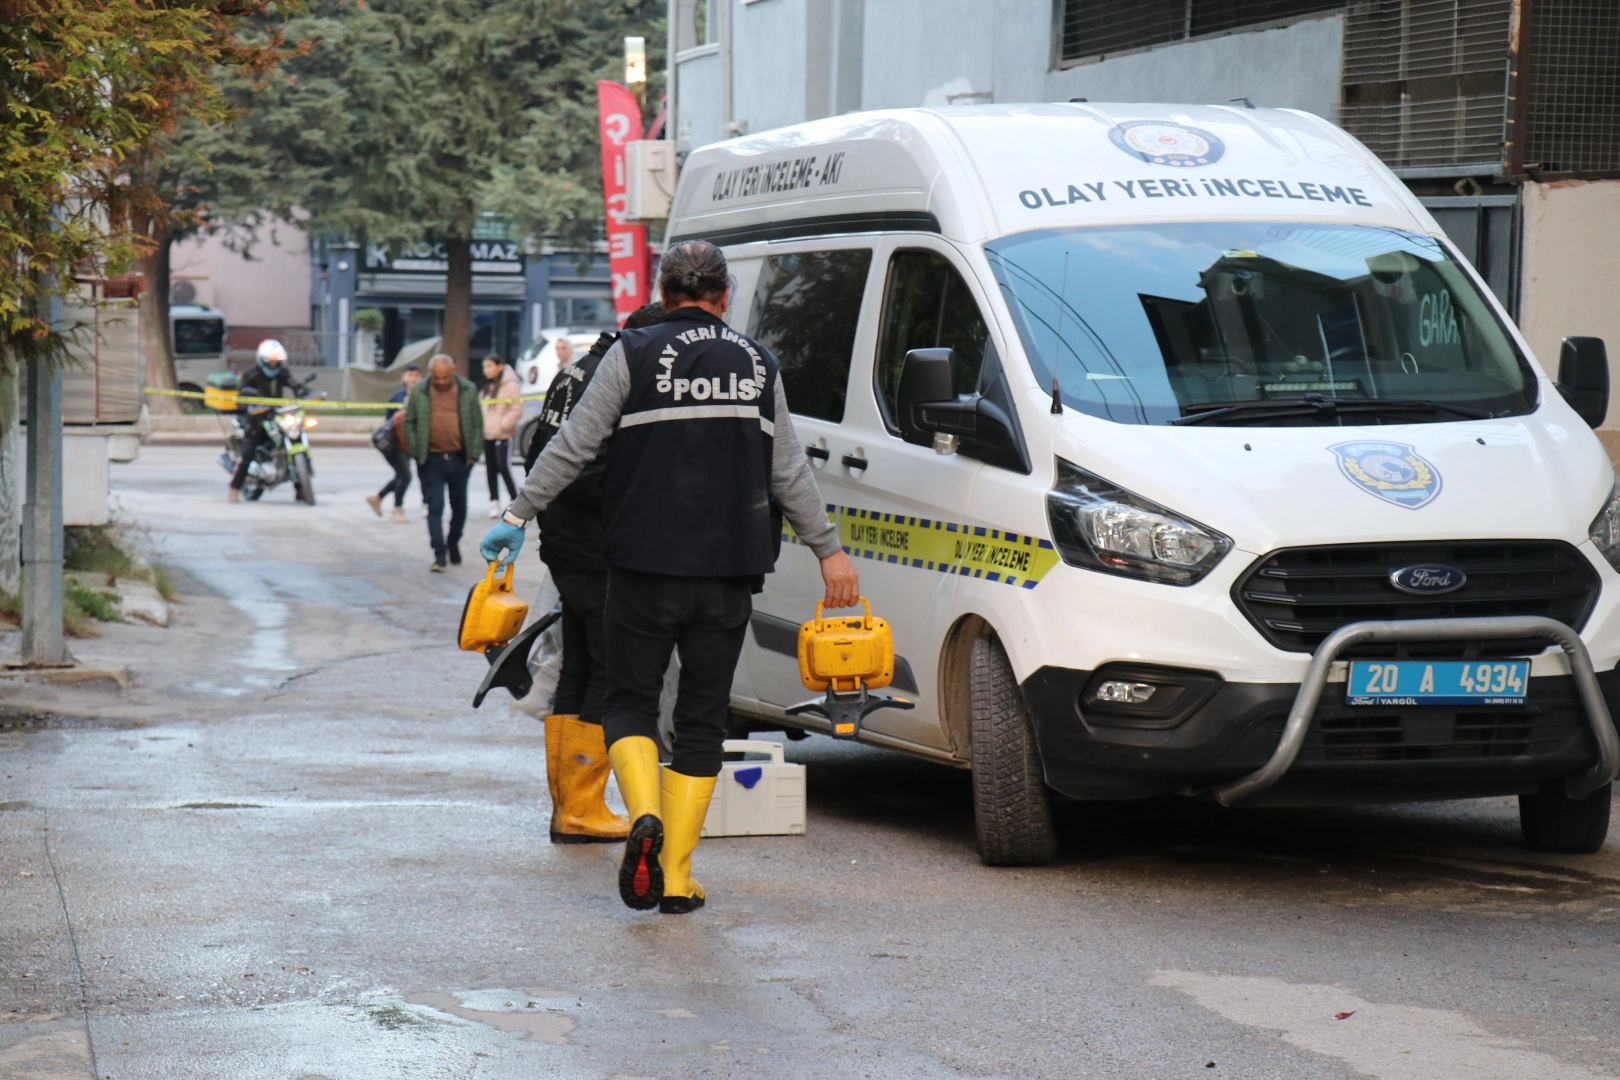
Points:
x=292, y=850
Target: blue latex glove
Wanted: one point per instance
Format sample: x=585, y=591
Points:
x=501, y=536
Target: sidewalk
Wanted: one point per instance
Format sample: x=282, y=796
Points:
x=198, y=429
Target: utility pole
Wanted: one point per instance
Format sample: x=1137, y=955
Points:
x=42, y=643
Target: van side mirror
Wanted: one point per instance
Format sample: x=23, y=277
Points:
x=1583, y=377
x=932, y=414
x=925, y=379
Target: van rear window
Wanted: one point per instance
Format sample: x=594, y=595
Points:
x=199, y=337
x=1258, y=324
x=805, y=310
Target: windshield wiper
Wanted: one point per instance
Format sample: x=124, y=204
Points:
x=1317, y=405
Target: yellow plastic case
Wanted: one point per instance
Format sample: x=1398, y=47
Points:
x=846, y=653
x=222, y=400
x=493, y=614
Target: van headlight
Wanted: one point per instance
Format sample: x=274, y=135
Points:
x=1605, y=530
x=1101, y=526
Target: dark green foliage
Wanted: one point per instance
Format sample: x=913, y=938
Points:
x=411, y=118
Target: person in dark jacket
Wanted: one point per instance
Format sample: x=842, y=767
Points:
x=571, y=548
x=267, y=378
x=444, y=432
x=700, y=441
x=399, y=460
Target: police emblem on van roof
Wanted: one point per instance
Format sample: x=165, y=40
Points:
x=1394, y=472
x=1158, y=143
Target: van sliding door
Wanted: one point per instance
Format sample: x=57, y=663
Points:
x=807, y=306
x=886, y=495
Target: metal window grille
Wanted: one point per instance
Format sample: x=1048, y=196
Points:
x=1572, y=118
x=1092, y=29
x=1425, y=81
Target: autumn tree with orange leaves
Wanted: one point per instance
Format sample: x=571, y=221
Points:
x=89, y=92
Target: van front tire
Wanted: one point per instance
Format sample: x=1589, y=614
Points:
x=1554, y=822
x=1010, y=801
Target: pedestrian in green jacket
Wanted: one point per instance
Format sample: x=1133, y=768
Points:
x=444, y=432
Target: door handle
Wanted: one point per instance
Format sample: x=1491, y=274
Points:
x=818, y=452
x=852, y=462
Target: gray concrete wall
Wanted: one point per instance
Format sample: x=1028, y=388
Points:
x=1293, y=67
x=939, y=52
x=698, y=83
x=768, y=63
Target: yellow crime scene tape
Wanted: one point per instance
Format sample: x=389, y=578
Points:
x=314, y=403
x=946, y=547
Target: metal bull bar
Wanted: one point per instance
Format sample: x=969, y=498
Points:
x=1494, y=628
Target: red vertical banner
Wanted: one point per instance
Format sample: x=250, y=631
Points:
x=619, y=121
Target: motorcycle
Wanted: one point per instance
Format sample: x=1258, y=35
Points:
x=283, y=456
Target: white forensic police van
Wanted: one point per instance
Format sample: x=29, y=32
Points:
x=1184, y=454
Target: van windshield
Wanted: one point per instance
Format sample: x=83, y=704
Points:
x=1257, y=324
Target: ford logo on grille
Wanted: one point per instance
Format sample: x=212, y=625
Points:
x=1428, y=579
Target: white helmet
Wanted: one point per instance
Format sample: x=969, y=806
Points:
x=271, y=351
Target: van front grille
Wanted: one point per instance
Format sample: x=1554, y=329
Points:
x=1296, y=597
x=1342, y=734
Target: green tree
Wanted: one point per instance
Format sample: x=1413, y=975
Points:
x=412, y=119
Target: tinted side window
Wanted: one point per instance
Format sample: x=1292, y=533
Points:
x=805, y=309
x=199, y=337
x=926, y=305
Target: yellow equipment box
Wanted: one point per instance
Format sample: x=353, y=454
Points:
x=845, y=657
x=846, y=654
x=493, y=614
x=222, y=390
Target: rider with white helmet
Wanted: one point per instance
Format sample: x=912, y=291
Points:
x=269, y=377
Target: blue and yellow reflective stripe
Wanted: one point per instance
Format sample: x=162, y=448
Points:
x=977, y=551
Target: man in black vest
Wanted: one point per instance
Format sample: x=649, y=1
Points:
x=701, y=443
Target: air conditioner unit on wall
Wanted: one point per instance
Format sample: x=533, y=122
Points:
x=649, y=166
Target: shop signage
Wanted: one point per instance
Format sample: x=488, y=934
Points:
x=489, y=257
x=619, y=121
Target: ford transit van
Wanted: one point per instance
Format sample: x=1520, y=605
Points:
x=1184, y=454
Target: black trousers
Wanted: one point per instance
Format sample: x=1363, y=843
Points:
x=253, y=437
x=497, y=456
x=400, y=461
x=702, y=618
x=441, y=473
x=582, y=685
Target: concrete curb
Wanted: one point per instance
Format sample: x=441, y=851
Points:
x=67, y=676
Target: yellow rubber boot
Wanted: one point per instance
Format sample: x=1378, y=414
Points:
x=582, y=815
x=635, y=764
x=685, y=804
x=554, y=726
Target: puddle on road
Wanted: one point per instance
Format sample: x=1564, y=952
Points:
x=264, y=590
x=505, y=1010
x=454, y=1036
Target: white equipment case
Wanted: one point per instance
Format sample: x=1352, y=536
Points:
x=757, y=798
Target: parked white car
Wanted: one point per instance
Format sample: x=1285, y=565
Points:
x=536, y=366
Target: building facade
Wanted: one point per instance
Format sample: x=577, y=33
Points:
x=1503, y=116
x=518, y=290
x=306, y=291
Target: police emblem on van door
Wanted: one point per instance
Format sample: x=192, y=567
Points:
x=1167, y=144
x=1430, y=579
x=1391, y=471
